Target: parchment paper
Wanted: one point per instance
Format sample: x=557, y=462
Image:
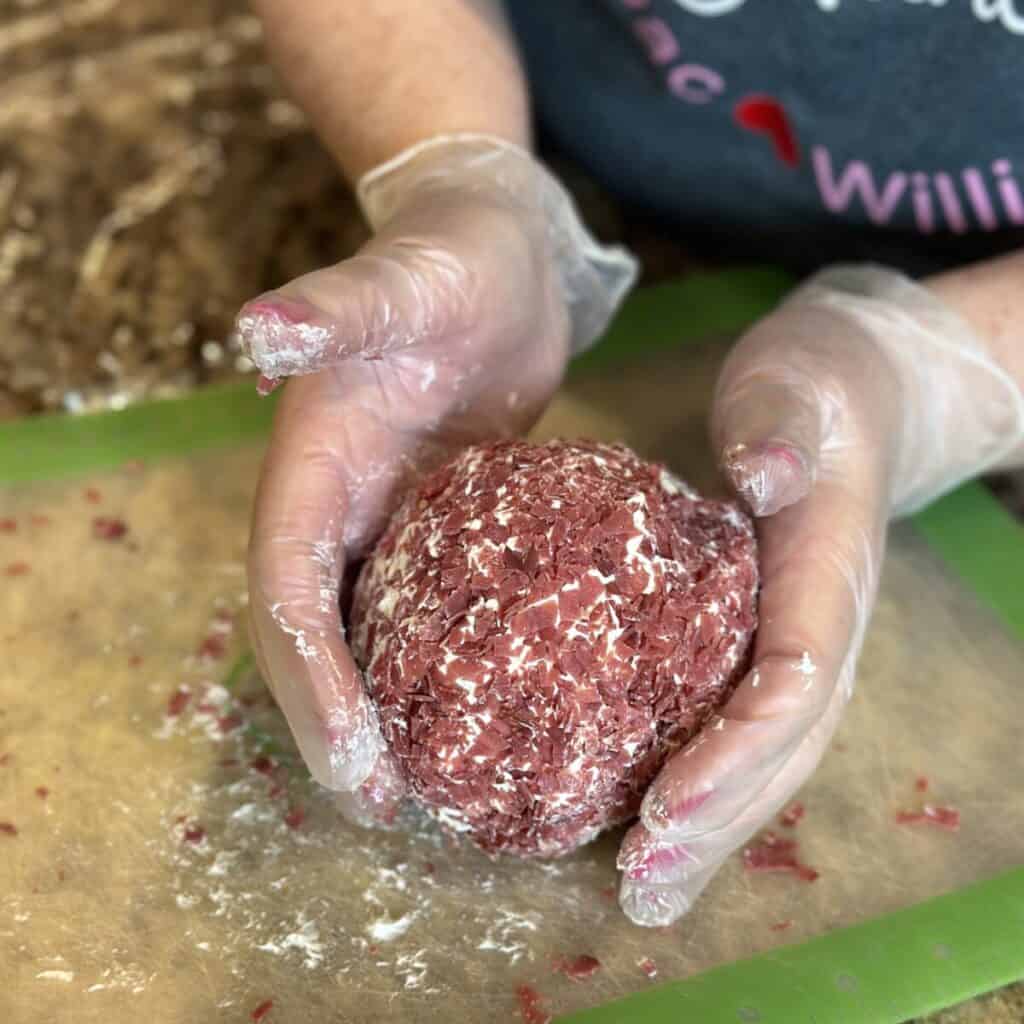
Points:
x=164, y=877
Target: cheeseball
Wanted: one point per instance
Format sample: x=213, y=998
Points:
x=540, y=626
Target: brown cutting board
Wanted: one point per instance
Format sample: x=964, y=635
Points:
x=167, y=868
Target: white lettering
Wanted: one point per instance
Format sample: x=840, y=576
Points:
x=1002, y=11
x=710, y=8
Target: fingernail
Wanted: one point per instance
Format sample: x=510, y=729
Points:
x=655, y=862
x=281, y=308
x=375, y=804
x=767, y=476
x=652, y=906
x=734, y=792
x=660, y=813
x=354, y=745
x=341, y=754
x=283, y=336
x=266, y=385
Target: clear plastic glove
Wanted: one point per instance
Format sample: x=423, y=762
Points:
x=453, y=324
x=862, y=397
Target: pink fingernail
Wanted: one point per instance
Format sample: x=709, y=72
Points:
x=377, y=802
x=653, y=908
x=768, y=476
x=277, y=307
x=658, y=862
x=659, y=815
x=283, y=336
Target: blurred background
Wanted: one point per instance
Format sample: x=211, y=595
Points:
x=152, y=178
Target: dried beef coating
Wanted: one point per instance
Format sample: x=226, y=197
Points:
x=540, y=626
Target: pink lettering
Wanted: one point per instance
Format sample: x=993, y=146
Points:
x=924, y=213
x=636, y=5
x=856, y=179
x=1013, y=203
x=950, y=203
x=657, y=38
x=977, y=193
x=695, y=83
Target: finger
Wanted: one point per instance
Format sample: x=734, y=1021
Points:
x=381, y=300
x=819, y=570
x=257, y=650
x=656, y=904
x=296, y=558
x=375, y=803
x=663, y=880
x=771, y=416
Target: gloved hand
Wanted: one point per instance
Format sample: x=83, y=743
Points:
x=861, y=398
x=453, y=324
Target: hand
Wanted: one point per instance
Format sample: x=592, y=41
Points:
x=453, y=324
x=861, y=397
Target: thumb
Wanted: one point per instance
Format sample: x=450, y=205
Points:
x=384, y=298
x=297, y=555
x=774, y=412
